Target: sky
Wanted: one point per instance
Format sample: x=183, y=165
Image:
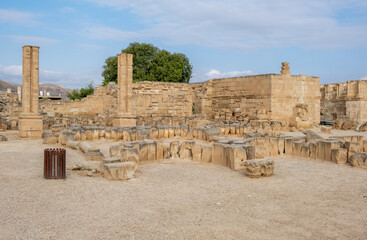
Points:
x=229, y=38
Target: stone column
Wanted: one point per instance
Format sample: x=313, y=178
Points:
x=125, y=117
x=19, y=91
x=30, y=121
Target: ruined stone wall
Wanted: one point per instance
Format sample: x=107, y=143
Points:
x=104, y=99
x=241, y=97
x=344, y=101
x=162, y=99
x=202, y=102
x=295, y=98
x=150, y=99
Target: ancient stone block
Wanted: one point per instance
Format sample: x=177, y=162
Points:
x=120, y=171
x=51, y=138
x=218, y=155
x=258, y=168
x=129, y=155
x=3, y=138
x=143, y=151
x=152, y=150
x=196, y=152
x=185, y=149
x=206, y=155
x=352, y=148
x=160, y=150
x=166, y=150
x=174, y=148
x=288, y=146
x=255, y=152
x=296, y=149
x=108, y=161
x=313, y=148
x=66, y=136
x=239, y=157
x=73, y=144
x=359, y=160
x=365, y=146
x=339, y=155
x=305, y=151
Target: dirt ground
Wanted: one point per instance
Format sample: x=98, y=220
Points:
x=305, y=199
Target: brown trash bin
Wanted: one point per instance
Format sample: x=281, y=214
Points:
x=54, y=163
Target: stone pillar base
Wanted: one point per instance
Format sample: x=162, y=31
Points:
x=30, y=126
x=124, y=121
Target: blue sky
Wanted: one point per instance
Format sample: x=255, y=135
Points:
x=325, y=38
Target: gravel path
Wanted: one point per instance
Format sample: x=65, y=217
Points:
x=305, y=199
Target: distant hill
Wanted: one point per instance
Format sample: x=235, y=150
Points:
x=53, y=89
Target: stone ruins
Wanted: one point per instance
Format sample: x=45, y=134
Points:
x=228, y=121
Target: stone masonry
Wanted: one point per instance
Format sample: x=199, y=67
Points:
x=344, y=101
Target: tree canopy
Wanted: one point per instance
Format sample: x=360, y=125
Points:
x=151, y=64
x=82, y=93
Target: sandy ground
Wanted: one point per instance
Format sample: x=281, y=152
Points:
x=305, y=199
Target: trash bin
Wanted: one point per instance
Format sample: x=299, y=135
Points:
x=54, y=163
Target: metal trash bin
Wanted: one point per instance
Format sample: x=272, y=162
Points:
x=54, y=163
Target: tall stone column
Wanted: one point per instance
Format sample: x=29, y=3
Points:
x=30, y=121
x=125, y=117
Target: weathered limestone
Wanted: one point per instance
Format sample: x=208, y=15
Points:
x=285, y=69
x=30, y=121
x=92, y=153
x=345, y=103
x=352, y=148
x=50, y=138
x=339, y=155
x=125, y=117
x=258, y=168
x=19, y=92
x=359, y=160
x=119, y=171
x=3, y=138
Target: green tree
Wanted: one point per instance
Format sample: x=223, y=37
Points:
x=167, y=67
x=110, y=70
x=151, y=64
x=81, y=93
x=143, y=55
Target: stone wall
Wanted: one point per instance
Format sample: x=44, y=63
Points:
x=294, y=99
x=346, y=101
x=150, y=99
x=162, y=99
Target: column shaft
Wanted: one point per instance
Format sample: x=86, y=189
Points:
x=26, y=94
x=34, y=79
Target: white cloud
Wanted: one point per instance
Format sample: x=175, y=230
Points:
x=217, y=74
x=17, y=17
x=13, y=70
x=33, y=40
x=248, y=24
x=66, y=79
x=364, y=78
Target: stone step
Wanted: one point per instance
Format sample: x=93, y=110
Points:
x=108, y=161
